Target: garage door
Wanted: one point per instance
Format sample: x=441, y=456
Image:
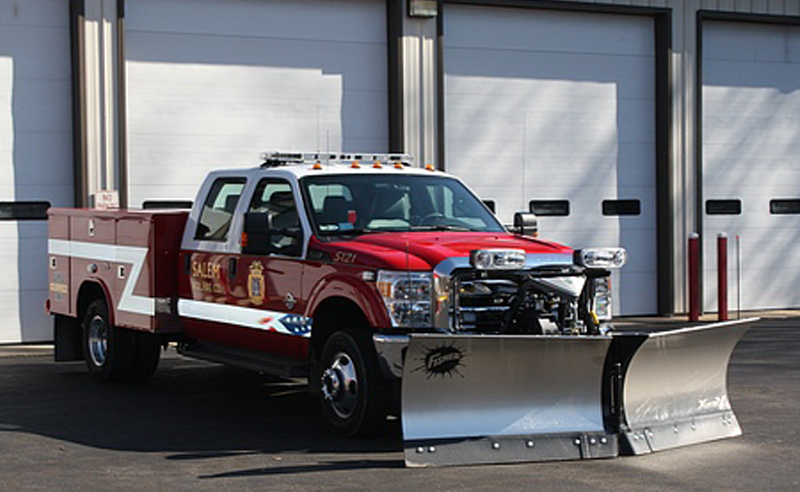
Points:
x=557, y=108
x=214, y=83
x=35, y=155
x=751, y=158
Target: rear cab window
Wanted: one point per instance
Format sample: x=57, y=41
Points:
x=217, y=212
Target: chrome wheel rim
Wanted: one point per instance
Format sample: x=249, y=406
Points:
x=340, y=386
x=98, y=340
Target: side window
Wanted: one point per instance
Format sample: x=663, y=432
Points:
x=217, y=213
x=274, y=198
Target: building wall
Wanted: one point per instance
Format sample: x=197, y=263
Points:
x=100, y=146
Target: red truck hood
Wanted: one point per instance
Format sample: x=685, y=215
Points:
x=425, y=250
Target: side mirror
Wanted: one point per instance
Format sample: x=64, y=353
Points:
x=261, y=237
x=257, y=231
x=526, y=224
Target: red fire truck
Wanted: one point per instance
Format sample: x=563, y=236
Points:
x=381, y=282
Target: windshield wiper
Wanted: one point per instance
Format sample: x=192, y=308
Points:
x=442, y=227
x=355, y=231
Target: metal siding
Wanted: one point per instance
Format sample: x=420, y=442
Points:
x=534, y=111
x=216, y=88
x=35, y=153
x=751, y=103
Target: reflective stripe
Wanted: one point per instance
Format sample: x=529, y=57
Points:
x=292, y=324
x=115, y=254
x=259, y=319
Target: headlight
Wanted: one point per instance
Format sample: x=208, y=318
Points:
x=407, y=296
x=601, y=257
x=497, y=259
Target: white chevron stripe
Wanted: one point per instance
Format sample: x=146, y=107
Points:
x=135, y=256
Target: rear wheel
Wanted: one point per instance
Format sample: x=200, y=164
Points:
x=108, y=350
x=146, y=356
x=352, y=394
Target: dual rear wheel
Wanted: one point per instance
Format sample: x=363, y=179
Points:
x=117, y=354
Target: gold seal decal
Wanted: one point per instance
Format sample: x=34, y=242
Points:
x=256, y=287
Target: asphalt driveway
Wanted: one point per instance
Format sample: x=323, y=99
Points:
x=198, y=426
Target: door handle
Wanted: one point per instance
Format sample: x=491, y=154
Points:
x=232, y=264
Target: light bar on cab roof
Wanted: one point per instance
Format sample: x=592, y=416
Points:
x=274, y=159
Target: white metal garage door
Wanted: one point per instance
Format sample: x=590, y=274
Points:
x=35, y=153
x=213, y=83
x=751, y=159
x=558, y=107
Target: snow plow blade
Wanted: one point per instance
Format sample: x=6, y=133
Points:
x=508, y=399
x=674, y=389
x=504, y=399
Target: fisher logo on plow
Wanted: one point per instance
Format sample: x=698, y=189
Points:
x=442, y=361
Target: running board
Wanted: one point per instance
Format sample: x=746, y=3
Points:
x=246, y=359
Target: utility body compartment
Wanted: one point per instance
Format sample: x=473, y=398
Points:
x=132, y=255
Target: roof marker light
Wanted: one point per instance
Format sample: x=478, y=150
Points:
x=355, y=165
x=429, y=167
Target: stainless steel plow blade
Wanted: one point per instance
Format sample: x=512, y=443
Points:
x=505, y=399
x=501, y=399
x=674, y=391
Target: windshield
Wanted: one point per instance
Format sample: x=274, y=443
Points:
x=359, y=204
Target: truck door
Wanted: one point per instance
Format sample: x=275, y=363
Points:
x=248, y=297
x=268, y=275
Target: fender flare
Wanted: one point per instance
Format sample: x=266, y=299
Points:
x=89, y=283
x=354, y=290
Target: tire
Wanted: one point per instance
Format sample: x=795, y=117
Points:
x=146, y=356
x=352, y=394
x=108, y=350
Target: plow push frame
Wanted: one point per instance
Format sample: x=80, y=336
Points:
x=481, y=399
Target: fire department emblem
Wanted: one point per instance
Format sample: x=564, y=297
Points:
x=256, y=286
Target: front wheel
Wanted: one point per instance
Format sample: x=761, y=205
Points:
x=352, y=394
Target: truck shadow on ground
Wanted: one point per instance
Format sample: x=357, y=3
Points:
x=189, y=410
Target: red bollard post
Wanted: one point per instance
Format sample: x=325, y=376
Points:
x=694, y=277
x=722, y=276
